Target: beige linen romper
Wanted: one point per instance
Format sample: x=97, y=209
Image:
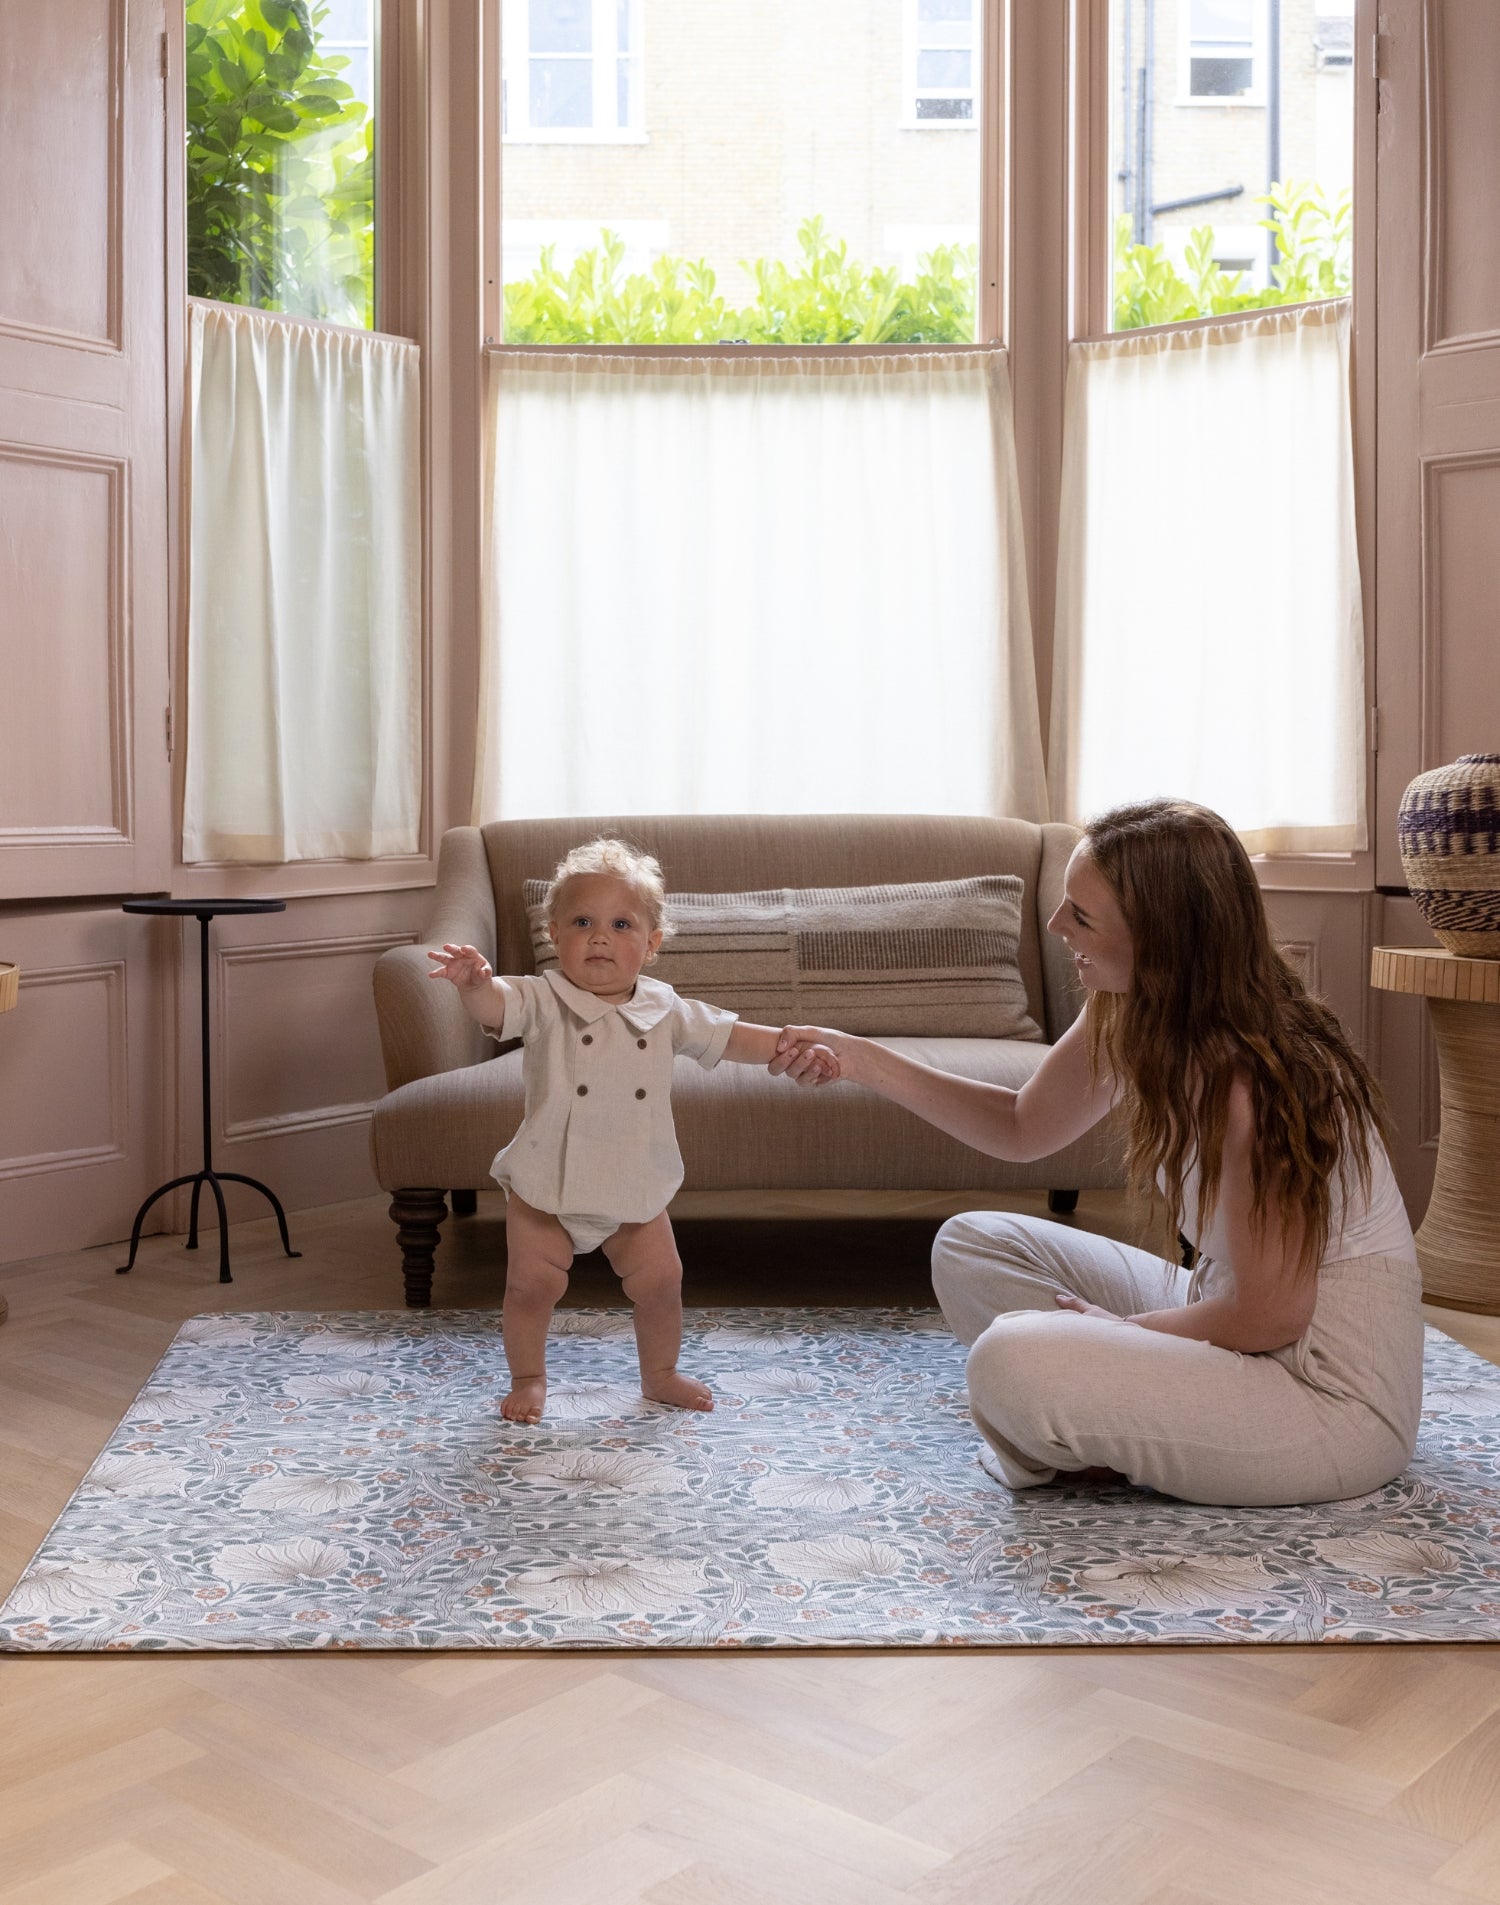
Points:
x=1332, y=1415
x=597, y=1146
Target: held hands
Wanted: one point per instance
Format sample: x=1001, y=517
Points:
x=807, y=1055
x=466, y=966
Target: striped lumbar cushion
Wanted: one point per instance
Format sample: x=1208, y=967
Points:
x=936, y=959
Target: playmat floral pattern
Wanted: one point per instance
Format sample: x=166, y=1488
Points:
x=311, y=1481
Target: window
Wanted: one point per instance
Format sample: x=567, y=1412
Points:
x=1189, y=188
x=281, y=157
x=941, y=49
x=571, y=70
x=1221, y=50
x=781, y=197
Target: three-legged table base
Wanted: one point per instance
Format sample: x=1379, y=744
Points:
x=212, y=1179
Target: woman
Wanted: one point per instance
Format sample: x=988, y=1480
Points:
x=1287, y=1365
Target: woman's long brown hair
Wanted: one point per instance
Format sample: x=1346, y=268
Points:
x=1211, y=996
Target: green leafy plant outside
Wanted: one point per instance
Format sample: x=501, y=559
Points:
x=280, y=164
x=824, y=297
x=1314, y=243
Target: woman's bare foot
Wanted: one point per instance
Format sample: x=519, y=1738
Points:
x=677, y=1391
x=526, y=1400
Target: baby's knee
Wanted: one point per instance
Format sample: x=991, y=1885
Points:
x=535, y=1275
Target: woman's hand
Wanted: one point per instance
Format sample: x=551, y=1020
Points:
x=1067, y=1301
x=466, y=966
x=808, y=1054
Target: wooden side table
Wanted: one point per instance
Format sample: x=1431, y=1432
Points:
x=1458, y=1245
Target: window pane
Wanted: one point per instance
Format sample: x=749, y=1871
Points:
x=1222, y=19
x=775, y=173
x=562, y=26
x=1213, y=130
x=943, y=72
x=1220, y=78
x=562, y=92
x=945, y=109
x=281, y=157
x=945, y=23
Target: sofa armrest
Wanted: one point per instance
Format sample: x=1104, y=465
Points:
x=424, y=1028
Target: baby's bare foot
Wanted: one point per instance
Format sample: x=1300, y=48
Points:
x=678, y=1391
x=526, y=1400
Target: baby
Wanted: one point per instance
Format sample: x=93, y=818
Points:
x=596, y=1160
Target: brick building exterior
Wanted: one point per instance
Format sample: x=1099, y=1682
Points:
x=711, y=128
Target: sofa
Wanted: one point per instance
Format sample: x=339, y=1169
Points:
x=455, y=1098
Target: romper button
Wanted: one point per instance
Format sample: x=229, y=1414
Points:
x=583, y=1091
x=640, y=1094
x=642, y=1043
x=588, y=1038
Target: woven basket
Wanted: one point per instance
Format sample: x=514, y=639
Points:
x=1449, y=832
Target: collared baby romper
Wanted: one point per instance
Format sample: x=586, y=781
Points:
x=597, y=1146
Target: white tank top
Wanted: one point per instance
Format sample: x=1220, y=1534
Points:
x=1358, y=1226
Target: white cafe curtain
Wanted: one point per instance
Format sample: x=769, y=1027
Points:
x=1209, y=633
x=304, y=625
x=742, y=584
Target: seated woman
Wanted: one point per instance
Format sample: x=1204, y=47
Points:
x=1287, y=1365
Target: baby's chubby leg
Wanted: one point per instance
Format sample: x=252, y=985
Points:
x=644, y=1258
x=539, y=1255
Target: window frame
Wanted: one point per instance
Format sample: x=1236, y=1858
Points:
x=515, y=30
x=995, y=126
x=1089, y=316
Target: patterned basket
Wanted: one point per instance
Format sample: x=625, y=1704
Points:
x=1449, y=831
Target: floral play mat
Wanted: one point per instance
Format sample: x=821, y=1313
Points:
x=302, y=1480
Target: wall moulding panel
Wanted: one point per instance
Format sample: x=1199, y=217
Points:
x=1326, y=938
x=65, y=775
x=295, y=1044
x=285, y=1013
x=62, y=271
x=75, y=1014
x=82, y=1127
x=1460, y=508
x=1462, y=61
x=83, y=380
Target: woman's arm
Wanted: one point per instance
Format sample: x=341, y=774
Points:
x=1272, y=1302
x=1056, y=1105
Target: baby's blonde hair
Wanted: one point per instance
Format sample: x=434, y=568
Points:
x=622, y=862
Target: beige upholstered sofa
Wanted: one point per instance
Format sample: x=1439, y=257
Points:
x=455, y=1097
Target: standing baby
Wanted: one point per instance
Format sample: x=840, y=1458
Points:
x=595, y=1161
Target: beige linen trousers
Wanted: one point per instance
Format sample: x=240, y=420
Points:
x=1332, y=1415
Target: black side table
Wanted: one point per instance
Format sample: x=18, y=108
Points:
x=203, y=911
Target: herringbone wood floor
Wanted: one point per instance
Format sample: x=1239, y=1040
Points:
x=1289, y=1777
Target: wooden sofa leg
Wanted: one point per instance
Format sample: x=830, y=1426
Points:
x=416, y=1215
x=1060, y=1203
x=465, y=1203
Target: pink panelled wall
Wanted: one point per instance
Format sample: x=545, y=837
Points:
x=99, y=1097
x=98, y=1066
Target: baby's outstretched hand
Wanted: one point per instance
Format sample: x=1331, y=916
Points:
x=466, y=966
